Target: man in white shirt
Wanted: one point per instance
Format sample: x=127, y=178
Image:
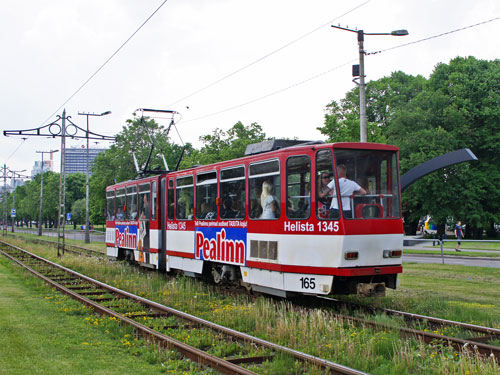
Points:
x=347, y=188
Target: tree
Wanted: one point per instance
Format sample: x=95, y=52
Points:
x=384, y=97
x=117, y=163
x=225, y=145
x=457, y=107
x=75, y=188
x=50, y=197
x=78, y=211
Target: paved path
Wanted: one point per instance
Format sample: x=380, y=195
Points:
x=450, y=259
x=460, y=259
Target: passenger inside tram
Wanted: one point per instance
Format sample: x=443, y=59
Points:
x=268, y=202
x=228, y=212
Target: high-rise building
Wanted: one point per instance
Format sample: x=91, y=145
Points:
x=47, y=166
x=75, y=159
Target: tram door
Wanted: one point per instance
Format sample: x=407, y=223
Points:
x=163, y=261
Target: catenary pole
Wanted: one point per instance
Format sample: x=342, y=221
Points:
x=41, y=190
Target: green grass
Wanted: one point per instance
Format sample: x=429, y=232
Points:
x=469, y=245
x=466, y=253
x=44, y=332
x=467, y=294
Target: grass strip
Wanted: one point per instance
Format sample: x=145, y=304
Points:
x=44, y=332
x=465, y=253
x=468, y=294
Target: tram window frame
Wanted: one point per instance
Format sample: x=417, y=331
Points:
x=233, y=192
x=131, y=212
x=396, y=203
x=144, y=189
x=154, y=192
x=171, y=200
x=260, y=172
x=206, y=192
x=324, y=167
x=298, y=187
x=121, y=203
x=184, y=184
x=110, y=205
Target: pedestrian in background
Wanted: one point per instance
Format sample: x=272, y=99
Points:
x=459, y=234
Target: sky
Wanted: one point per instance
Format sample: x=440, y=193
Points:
x=277, y=63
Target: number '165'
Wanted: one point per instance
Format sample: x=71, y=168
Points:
x=308, y=282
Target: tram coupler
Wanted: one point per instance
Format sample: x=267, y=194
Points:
x=371, y=289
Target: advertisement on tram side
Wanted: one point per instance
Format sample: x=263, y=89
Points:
x=226, y=245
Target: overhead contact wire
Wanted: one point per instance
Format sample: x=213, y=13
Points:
x=434, y=36
x=106, y=62
x=268, y=55
x=272, y=93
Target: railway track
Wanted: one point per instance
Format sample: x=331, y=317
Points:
x=478, y=342
x=480, y=335
x=163, y=322
x=74, y=249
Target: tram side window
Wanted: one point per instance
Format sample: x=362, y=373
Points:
x=298, y=171
x=155, y=202
x=131, y=213
x=206, y=196
x=144, y=201
x=110, y=205
x=120, y=204
x=325, y=186
x=185, y=198
x=265, y=190
x=233, y=193
x=170, y=200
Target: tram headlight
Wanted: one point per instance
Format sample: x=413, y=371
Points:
x=392, y=253
x=351, y=255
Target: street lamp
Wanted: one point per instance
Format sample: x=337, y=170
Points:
x=41, y=189
x=362, y=85
x=14, y=195
x=87, y=234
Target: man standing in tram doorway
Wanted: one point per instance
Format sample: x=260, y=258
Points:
x=459, y=234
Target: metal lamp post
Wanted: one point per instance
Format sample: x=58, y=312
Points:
x=14, y=198
x=362, y=85
x=54, y=129
x=87, y=233
x=41, y=190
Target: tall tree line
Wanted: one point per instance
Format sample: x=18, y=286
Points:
x=458, y=106
x=27, y=198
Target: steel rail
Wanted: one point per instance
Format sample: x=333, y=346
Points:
x=67, y=247
x=430, y=337
x=443, y=322
x=187, y=351
x=331, y=367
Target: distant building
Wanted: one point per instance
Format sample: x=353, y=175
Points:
x=37, y=167
x=75, y=159
x=13, y=184
x=47, y=166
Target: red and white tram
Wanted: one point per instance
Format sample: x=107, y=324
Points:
x=261, y=221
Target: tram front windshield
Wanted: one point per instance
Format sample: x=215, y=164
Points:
x=368, y=182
